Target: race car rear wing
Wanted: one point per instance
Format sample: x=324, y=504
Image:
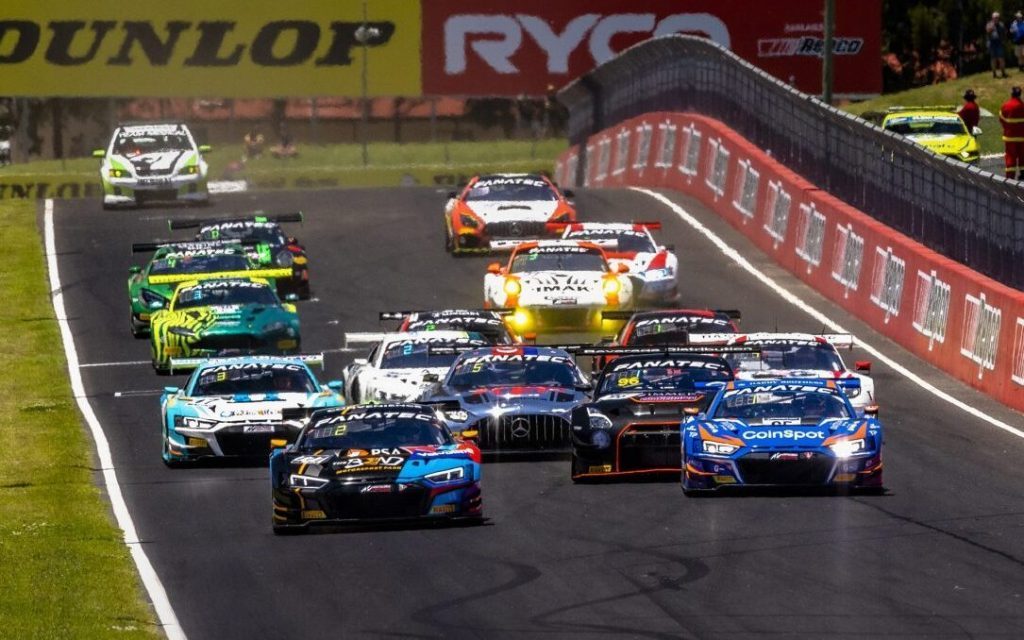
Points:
x=186, y=364
x=194, y=245
x=732, y=314
x=194, y=223
x=658, y=350
x=361, y=337
x=270, y=274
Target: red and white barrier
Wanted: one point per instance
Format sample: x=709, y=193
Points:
x=959, y=320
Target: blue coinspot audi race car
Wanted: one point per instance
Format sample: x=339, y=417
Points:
x=372, y=463
x=236, y=406
x=787, y=432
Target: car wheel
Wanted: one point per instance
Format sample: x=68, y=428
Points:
x=354, y=398
x=138, y=329
x=168, y=461
x=449, y=242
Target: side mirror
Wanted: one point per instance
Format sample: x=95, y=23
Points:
x=171, y=390
x=453, y=194
x=278, y=443
x=205, y=148
x=976, y=131
x=289, y=307
x=99, y=153
x=335, y=385
x=134, y=269
x=494, y=267
x=863, y=365
x=470, y=435
x=622, y=268
x=360, y=361
x=431, y=377
x=871, y=410
x=569, y=193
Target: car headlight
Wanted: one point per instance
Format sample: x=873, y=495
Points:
x=719, y=448
x=600, y=439
x=118, y=173
x=599, y=420
x=611, y=286
x=276, y=327
x=182, y=331
x=852, y=393
x=847, y=448
x=468, y=221
x=512, y=287
x=193, y=423
x=284, y=258
x=457, y=415
x=190, y=170
x=313, y=482
x=152, y=300
x=448, y=475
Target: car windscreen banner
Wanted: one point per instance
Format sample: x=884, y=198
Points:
x=493, y=47
x=197, y=48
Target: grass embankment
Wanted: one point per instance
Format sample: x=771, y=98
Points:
x=64, y=568
x=992, y=92
x=387, y=161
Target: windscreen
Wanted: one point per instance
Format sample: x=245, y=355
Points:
x=492, y=330
x=486, y=371
x=624, y=240
x=782, y=407
x=256, y=231
x=788, y=357
x=198, y=263
x=377, y=433
x=225, y=294
x=517, y=189
x=421, y=354
x=927, y=126
x=225, y=380
x=568, y=259
x=136, y=145
x=667, y=375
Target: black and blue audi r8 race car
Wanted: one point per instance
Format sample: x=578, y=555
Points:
x=372, y=463
x=788, y=432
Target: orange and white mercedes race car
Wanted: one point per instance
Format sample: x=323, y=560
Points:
x=557, y=285
x=498, y=211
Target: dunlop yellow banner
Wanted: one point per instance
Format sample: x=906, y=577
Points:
x=209, y=48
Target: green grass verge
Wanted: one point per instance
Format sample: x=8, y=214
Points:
x=65, y=570
x=387, y=162
x=992, y=92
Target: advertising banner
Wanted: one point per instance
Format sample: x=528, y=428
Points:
x=492, y=47
x=198, y=48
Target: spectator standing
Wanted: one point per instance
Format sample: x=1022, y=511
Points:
x=970, y=113
x=995, y=30
x=254, y=142
x=1011, y=116
x=1017, y=37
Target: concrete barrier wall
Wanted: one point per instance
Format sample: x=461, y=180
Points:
x=959, y=320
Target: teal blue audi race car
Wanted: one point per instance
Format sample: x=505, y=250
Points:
x=785, y=432
x=372, y=463
x=236, y=406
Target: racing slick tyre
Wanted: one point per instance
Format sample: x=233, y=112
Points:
x=304, y=292
x=171, y=464
x=449, y=243
x=287, y=530
x=138, y=329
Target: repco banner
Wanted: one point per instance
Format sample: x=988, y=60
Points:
x=495, y=47
x=195, y=48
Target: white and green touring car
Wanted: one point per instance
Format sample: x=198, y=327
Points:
x=152, y=162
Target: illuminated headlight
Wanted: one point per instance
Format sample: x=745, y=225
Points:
x=847, y=448
x=152, y=300
x=512, y=287
x=468, y=221
x=193, y=423
x=190, y=170
x=297, y=480
x=600, y=438
x=182, y=331
x=611, y=286
x=457, y=415
x=448, y=475
x=284, y=258
x=118, y=173
x=719, y=448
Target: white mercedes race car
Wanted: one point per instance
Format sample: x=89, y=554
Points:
x=653, y=267
x=798, y=355
x=152, y=162
x=554, y=285
x=402, y=365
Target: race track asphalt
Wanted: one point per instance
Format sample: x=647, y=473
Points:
x=941, y=555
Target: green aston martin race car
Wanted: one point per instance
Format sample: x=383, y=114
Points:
x=224, y=317
x=150, y=286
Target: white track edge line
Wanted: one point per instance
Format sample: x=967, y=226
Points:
x=150, y=580
x=799, y=303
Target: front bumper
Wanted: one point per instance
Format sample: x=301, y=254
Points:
x=222, y=345
x=782, y=468
x=228, y=439
x=521, y=432
x=568, y=317
x=132, y=191
x=636, y=449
